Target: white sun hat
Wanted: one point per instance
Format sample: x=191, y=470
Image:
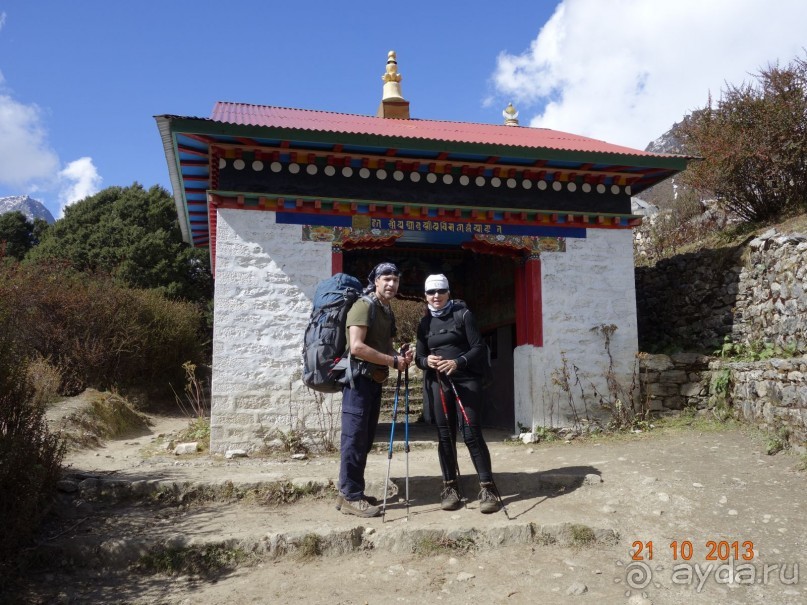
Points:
x=436, y=282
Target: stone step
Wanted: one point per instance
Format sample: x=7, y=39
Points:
x=257, y=514
x=148, y=537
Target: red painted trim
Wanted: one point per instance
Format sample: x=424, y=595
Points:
x=198, y=137
x=211, y=219
x=521, y=307
x=191, y=150
x=529, y=306
x=535, y=326
x=337, y=261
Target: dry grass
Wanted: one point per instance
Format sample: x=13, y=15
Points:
x=100, y=416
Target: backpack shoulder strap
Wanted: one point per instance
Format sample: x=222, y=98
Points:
x=371, y=302
x=459, y=317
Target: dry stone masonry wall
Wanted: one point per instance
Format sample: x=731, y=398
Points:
x=754, y=295
x=688, y=301
x=773, y=394
x=771, y=303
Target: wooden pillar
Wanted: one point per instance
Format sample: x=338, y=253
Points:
x=337, y=260
x=521, y=307
x=529, y=312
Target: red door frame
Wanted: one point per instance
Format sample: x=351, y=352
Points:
x=529, y=311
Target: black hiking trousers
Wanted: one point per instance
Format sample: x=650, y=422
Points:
x=450, y=419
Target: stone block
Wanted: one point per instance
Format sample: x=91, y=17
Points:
x=662, y=390
x=186, y=448
x=674, y=403
x=692, y=389
x=690, y=360
x=673, y=377
x=656, y=362
x=791, y=397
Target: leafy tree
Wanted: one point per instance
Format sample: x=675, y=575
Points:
x=754, y=144
x=132, y=234
x=18, y=234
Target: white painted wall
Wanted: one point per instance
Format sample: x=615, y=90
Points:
x=589, y=285
x=265, y=281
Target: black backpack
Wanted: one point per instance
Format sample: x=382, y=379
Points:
x=325, y=342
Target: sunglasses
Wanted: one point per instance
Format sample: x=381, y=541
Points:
x=433, y=292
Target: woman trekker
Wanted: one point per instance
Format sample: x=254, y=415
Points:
x=450, y=350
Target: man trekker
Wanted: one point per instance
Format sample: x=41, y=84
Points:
x=371, y=344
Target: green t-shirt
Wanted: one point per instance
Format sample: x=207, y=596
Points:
x=380, y=332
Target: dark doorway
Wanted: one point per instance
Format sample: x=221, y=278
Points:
x=484, y=281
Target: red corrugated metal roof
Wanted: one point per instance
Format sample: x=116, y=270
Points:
x=434, y=130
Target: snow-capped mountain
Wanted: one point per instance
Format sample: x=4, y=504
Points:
x=27, y=205
x=663, y=194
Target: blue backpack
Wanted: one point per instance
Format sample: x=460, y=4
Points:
x=325, y=342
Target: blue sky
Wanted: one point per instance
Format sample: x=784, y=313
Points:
x=81, y=80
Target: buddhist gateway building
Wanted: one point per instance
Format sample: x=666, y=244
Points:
x=533, y=228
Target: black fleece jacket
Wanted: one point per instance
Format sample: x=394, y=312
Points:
x=454, y=336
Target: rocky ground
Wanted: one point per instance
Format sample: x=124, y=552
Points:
x=696, y=514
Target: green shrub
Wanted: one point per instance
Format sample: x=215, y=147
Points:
x=99, y=333
x=30, y=456
x=753, y=144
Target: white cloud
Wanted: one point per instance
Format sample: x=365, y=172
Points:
x=2, y=23
x=79, y=179
x=25, y=154
x=625, y=70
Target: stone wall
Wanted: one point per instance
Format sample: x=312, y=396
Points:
x=674, y=382
x=754, y=295
x=771, y=304
x=265, y=281
x=688, y=301
x=770, y=393
x=588, y=302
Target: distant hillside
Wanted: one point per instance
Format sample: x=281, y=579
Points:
x=30, y=207
x=665, y=192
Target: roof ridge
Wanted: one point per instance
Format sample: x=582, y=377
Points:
x=478, y=133
x=367, y=115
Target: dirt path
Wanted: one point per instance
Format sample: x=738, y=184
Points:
x=689, y=488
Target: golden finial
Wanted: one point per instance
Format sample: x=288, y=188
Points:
x=393, y=105
x=510, y=115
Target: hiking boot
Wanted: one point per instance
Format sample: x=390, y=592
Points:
x=340, y=499
x=450, y=497
x=488, y=498
x=360, y=508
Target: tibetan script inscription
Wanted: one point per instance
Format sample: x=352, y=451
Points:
x=434, y=226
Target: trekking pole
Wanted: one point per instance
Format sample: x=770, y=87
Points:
x=468, y=422
x=453, y=436
x=406, y=427
x=391, y=437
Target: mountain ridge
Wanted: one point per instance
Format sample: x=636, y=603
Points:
x=30, y=207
